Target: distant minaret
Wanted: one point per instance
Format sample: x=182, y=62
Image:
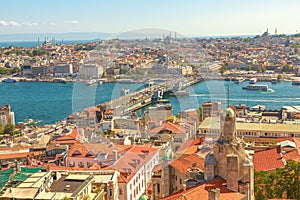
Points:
x=62, y=40
x=228, y=97
x=275, y=31
x=175, y=36
x=38, y=41
x=268, y=31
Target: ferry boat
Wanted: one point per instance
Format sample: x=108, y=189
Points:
x=239, y=80
x=256, y=87
x=9, y=80
x=253, y=81
x=295, y=82
x=91, y=82
x=59, y=80
x=274, y=80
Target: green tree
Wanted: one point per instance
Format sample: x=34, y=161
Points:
x=263, y=69
x=223, y=69
x=249, y=68
x=238, y=68
x=258, y=69
x=286, y=68
x=1, y=129
x=9, y=129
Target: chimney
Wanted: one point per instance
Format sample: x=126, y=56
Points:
x=115, y=154
x=214, y=194
x=184, y=187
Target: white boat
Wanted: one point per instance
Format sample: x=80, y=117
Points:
x=9, y=80
x=274, y=80
x=258, y=108
x=149, y=83
x=91, y=82
x=125, y=91
x=253, y=81
x=239, y=80
x=256, y=87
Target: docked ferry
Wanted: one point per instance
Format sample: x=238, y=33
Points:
x=239, y=80
x=256, y=87
x=9, y=80
x=253, y=81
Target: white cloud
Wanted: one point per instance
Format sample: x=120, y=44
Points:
x=30, y=24
x=9, y=23
x=71, y=21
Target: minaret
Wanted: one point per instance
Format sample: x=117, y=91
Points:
x=275, y=31
x=38, y=41
x=228, y=97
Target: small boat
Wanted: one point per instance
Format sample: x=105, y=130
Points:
x=91, y=82
x=9, y=80
x=256, y=87
x=274, y=80
x=59, y=80
x=149, y=83
x=181, y=93
x=258, y=108
x=32, y=122
x=295, y=82
x=125, y=91
x=239, y=80
x=253, y=81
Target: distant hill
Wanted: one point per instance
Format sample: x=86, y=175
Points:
x=57, y=36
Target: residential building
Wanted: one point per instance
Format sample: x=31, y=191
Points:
x=90, y=71
x=63, y=69
x=210, y=109
x=6, y=115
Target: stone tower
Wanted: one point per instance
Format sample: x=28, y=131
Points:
x=229, y=159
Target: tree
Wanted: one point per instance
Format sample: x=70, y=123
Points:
x=238, y=68
x=9, y=129
x=258, y=69
x=281, y=183
x=286, y=68
x=1, y=129
x=223, y=69
x=249, y=68
x=263, y=69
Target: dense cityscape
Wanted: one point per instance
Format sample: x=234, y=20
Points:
x=136, y=116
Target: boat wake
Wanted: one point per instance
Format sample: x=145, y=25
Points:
x=269, y=91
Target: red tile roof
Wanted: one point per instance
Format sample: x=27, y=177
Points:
x=174, y=128
x=71, y=136
x=201, y=191
x=18, y=155
x=185, y=162
x=269, y=159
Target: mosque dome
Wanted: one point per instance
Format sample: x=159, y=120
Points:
x=229, y=112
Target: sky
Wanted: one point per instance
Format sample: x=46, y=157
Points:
x=188, y=17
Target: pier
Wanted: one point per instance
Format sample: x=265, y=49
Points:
x=146, y=96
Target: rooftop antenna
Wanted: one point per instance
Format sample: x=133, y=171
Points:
x=228, y=93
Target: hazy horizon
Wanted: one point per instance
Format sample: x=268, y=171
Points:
x=190, y=18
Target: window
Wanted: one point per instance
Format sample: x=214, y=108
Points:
x=158, y=188
x=89, y=164
x=80, y=164
x=110, y=193
x=180, y=181
x=72, y=164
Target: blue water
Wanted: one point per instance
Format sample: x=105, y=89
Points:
x=52, y=102
x=29, y=44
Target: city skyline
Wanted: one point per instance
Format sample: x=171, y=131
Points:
x=190, y=18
